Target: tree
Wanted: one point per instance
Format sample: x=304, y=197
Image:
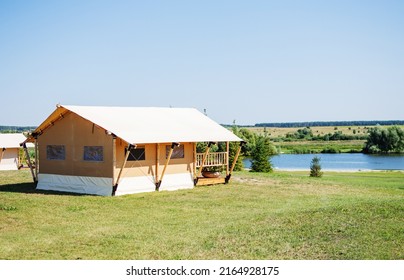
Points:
x=249, y=137
x=315, y=167
x=260, y=154
x=380, y=140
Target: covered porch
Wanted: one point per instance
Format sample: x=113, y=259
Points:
x=214, y=167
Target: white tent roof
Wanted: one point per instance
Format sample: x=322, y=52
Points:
x=141, y=125
x=11, y=140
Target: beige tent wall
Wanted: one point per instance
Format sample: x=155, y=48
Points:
x=140, y=176
x=180, y=165
x=147, y=167
x=179, y=172
x=74, y=133
x=9, y=161
x=135, y=168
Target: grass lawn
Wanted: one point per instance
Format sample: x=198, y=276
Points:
x=283, y=215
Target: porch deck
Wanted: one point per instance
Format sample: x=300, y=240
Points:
x=202, y=181
x=215, y=159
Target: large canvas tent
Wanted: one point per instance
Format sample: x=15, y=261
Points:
x=121, y=150
x=9, y=150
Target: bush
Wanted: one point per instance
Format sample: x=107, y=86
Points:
x=315, y=167
x=380, y=140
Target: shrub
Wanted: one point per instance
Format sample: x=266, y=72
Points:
x=315, y=167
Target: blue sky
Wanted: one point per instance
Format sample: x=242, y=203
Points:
x=248, y=61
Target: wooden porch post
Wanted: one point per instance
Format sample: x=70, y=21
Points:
x=113, y=157
x=157, y=163
x=36, y=158
x=2, y=154
x=173, y=145
x=227, y=157
x=195, y=159
x=24, y=145
x=234, y=161
x=205, y=155
x=130, y=146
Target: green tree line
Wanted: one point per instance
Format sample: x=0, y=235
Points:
x=331, y=123
x=15, y=129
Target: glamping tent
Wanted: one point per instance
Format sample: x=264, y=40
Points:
x=9, y=150
x=122, y=150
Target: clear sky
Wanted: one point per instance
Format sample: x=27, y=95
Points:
x=248, y=61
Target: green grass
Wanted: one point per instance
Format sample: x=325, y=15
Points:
x=284, y=215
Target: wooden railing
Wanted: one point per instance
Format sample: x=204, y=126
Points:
x=212, y=159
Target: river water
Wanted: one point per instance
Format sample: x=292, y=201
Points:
x=337, y=162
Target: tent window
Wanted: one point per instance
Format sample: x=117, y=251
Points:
x=178, y=152
x=139, y=153
x=55, y=152
x=93, y=153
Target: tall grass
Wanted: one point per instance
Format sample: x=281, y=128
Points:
x=283, y=215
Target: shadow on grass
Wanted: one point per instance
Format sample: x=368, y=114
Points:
x=30, y=188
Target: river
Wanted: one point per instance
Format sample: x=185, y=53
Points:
x=337, y=162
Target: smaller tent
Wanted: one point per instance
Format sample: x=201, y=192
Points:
x=9, y=150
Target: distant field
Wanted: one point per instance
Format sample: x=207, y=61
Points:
x=304, y=146
x=277, y=134
x=283, y=215
x=317, y=130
